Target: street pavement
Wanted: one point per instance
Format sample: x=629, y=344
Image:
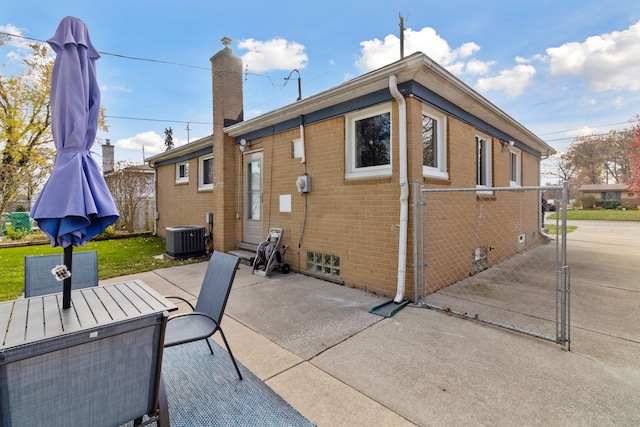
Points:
x=316, y=344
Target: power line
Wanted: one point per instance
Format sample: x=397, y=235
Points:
x=157, y=61
x=246, y=73
x=158, y=120
x=570, y=130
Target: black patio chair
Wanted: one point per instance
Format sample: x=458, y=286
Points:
x=205, y=318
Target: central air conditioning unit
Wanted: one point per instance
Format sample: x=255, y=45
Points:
x=185, y=242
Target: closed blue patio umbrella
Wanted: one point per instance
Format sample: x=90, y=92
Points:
x=75, y=204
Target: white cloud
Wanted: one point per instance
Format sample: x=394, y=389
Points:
x=378, y=53
x=583, y=131
x=112, y=88
x=19, y=43
x=274, y=54
x=478, y=68
x=513, y=82
x=152, y=142
x=459, y=61
x=607, y=61
x=618, y=103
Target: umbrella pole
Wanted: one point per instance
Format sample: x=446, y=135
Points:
x=66, y=286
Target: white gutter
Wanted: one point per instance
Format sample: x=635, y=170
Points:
x=404, y=188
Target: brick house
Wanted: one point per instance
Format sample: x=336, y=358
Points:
x=358, y=145
x=619, y=192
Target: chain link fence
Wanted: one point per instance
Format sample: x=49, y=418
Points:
x=490, y=256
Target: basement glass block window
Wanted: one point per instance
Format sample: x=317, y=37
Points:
x=323, y=264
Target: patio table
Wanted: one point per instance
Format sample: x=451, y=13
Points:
x=42, y=317
x=52, y=357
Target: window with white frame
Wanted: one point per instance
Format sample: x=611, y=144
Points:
x=182, y=172
x=205, y=172
x=368, y=143
x=484, y=169
x=434, y=144
x=515, y=167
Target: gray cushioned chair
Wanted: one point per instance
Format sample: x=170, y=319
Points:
x=107, y=376
x=38, y=279
x=205, y=318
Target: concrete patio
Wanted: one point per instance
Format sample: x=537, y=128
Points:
x=316, y=344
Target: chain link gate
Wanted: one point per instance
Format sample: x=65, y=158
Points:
x=489, y=255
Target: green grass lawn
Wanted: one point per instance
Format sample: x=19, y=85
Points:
x=599, y=215
x=116, y=257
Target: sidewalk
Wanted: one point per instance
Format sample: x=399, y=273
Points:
x=315, y=344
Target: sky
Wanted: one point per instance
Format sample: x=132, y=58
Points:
x=561, y=68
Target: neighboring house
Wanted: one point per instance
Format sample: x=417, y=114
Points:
x=619, y=192
x=353, y=150
x=133, y=191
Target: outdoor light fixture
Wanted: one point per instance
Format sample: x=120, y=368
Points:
x=507, y=144
x=243, y=145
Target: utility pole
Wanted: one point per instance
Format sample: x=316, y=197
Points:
x=187, y=129
x=401, y=36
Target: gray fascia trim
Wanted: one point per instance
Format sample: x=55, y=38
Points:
x=340, y=109
x=378, y=97
x=184, y=158
x=184, y=150
x=417, y=68
x=450, y=108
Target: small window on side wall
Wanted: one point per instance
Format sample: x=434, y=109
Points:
x=484, y=168
x=205, y=173
x=368, y=143
x=515, y=167
x=182, y=172
x=434, y=144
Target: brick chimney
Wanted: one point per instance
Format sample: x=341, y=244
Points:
x=226, y=72
x=227, y=86
x=107, y=158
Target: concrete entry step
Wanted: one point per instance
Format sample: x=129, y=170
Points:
x=246, y=257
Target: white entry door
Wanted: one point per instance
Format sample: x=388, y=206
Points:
x=253, y=198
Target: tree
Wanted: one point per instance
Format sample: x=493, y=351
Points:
x=615, y=148
x=564, y=168
x=634, y=159
x=586, y=155
x=26, y=149
x=130, y=187
x=168, y=138
x=25, y=123
x=601, y=159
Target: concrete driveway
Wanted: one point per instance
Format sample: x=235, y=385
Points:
x=315, y=344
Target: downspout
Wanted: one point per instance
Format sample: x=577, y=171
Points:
x=404, y=188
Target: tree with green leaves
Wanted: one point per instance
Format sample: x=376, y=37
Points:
x=25, y=132
x=26, y=143
x=168, y=138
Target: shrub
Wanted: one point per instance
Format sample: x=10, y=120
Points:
x=16, y=234
x=586, y=202
x=107, y=233
x=608, y=204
